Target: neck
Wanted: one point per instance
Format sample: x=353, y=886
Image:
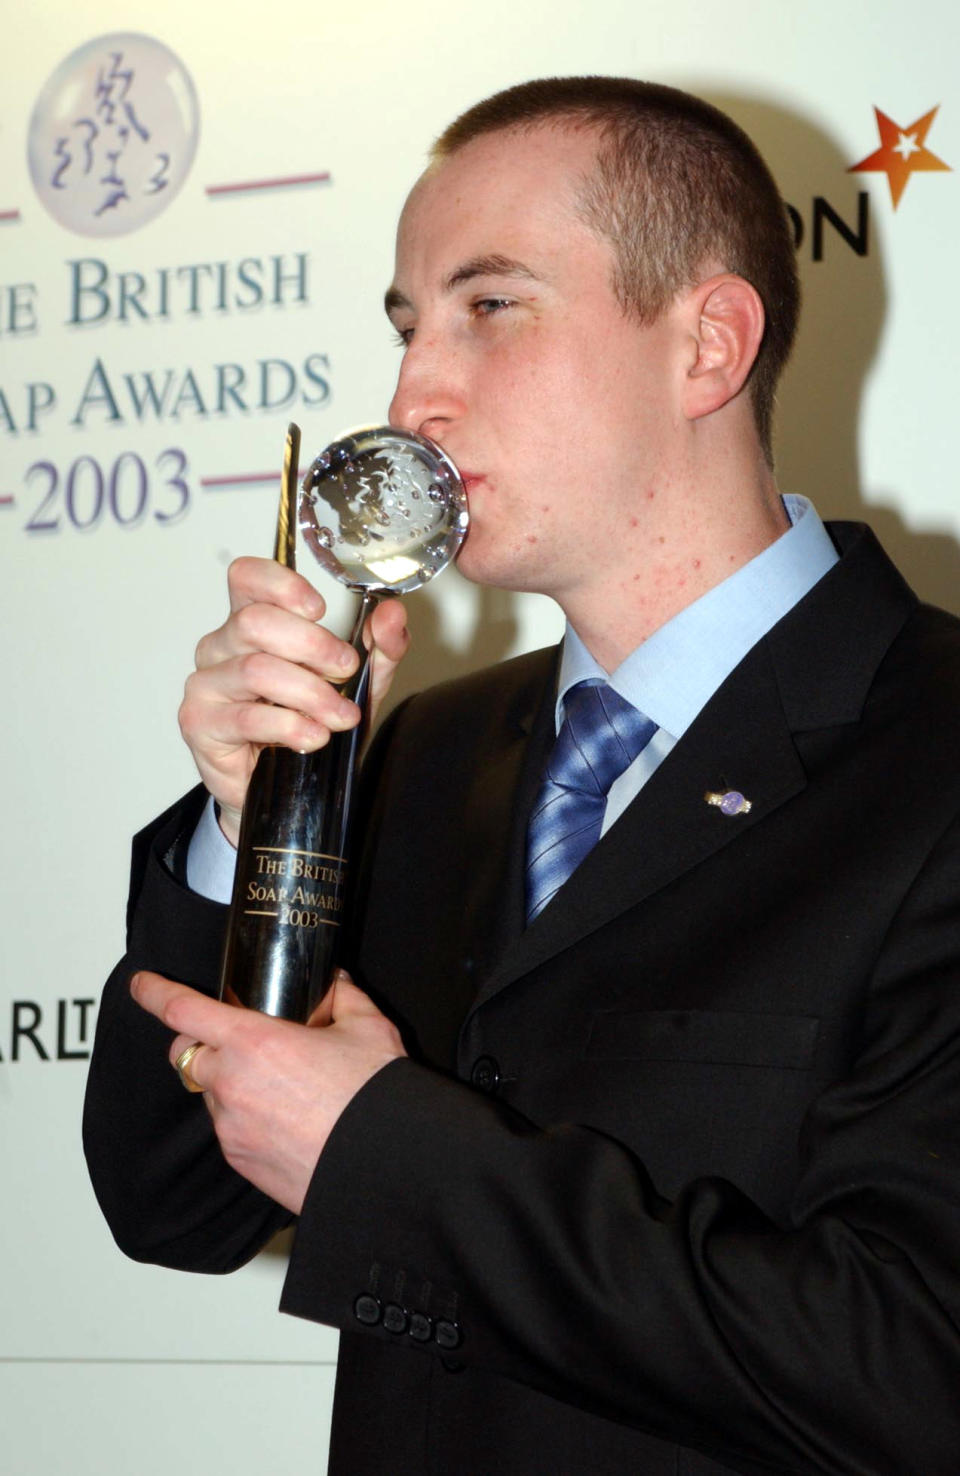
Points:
x=669, y=559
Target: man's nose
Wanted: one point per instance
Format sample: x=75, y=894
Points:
x=428, y=396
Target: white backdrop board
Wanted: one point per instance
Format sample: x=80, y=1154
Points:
x=196, y=225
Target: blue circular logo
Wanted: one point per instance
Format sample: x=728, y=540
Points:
x=113, y=135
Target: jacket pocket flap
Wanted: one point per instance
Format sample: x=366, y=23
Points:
x=707, y=1036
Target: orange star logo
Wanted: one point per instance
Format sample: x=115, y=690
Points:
x=902, y=152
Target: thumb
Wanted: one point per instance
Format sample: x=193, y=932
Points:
x=347, y=1001
x=388, y=638
x=333, y=1005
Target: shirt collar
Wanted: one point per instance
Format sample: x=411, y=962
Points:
x=673, y=674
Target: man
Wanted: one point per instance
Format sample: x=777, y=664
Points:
x=650, y=1164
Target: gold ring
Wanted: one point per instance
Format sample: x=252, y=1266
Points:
x=182, y=1063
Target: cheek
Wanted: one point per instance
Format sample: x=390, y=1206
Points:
x=530, y=368
x=515, y=388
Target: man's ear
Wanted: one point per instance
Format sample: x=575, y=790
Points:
x=726, y=320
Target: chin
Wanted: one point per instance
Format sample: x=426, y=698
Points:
x=496, y=573
x=476, y=570
x=488, y=558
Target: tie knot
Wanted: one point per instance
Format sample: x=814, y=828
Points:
x=601, y=735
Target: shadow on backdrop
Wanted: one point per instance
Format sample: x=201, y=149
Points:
x=434, y=659
x=844, y=307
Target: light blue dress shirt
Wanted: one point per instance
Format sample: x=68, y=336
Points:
x=670, y=677
x=675, y=672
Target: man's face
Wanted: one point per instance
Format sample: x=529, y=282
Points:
x=521, y=363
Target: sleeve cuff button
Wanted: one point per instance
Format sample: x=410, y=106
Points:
x=448, y=1335
x=366, y=1309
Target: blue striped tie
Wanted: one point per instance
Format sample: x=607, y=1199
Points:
x=601, y=736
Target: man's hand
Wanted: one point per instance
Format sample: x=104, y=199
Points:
x=275, y=1089
x=266, y=675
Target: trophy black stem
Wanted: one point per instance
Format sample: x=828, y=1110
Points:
x=291, y=881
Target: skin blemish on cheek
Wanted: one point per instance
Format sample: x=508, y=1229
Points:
x=634, y=522
x=532, y=538
x=696, y=563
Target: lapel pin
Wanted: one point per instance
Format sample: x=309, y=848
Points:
x=731, y=802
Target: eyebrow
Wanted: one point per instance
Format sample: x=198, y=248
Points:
x=494, y=265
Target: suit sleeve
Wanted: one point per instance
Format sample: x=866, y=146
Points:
x=164, y=1187
x=160, y=1178
x=827, y=1344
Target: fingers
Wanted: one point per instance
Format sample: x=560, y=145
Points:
x=253, y=581
x=348, y=1001
x=387, y=629
x=270, y=675
x=266, y=676
x=260, y=699
x=184, y=1056
x=352, y=1023
x=281, y=632
x=231, y=711
x=193, y=1016
x=343, y=1002
x=387, y=633
x=322, y=1013
x=273, y=1089
x=348, y=1004
x=357, y=1023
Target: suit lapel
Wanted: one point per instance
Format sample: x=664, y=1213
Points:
x=740, y=741
x=814, y=670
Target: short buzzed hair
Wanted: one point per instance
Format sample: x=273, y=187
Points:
x=677, y=185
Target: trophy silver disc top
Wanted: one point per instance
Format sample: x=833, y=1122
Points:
x=383, y=510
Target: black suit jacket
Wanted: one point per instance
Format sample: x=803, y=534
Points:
x=671, y=1179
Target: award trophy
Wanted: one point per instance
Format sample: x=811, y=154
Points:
x=384, y=511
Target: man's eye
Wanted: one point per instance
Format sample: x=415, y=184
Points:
x=402, y=337
x=485, y=307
